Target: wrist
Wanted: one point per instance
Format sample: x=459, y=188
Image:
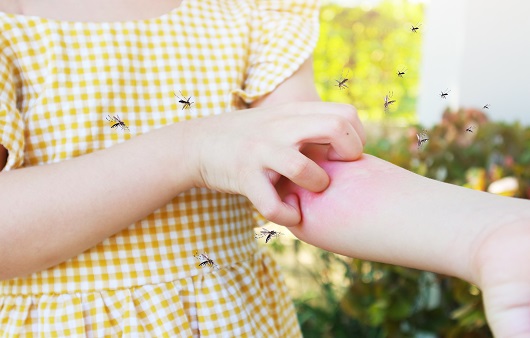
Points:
x=178, y=155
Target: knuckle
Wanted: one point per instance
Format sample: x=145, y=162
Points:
x=271, y=211
x=350, y=111
x=296, y=167
x=350, y=108
x=338, y=125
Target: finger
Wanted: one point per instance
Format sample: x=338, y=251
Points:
x=508, y=309
x=346, y=152
x=359, y=128
x=350, y=113
x=323, y=129
x=347, y=111
x=262, y=194
x=299, y=169
x=294, y=202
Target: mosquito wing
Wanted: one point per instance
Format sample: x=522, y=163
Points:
x=200, y=257
x=258, y=236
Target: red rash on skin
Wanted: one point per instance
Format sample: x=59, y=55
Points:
x=355, y=188
x=360, y=192
x=346, y=195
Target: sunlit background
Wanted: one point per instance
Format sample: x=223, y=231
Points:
x=476, y=51
x=369, y=44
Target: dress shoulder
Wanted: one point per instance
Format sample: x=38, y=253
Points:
x=283, y=35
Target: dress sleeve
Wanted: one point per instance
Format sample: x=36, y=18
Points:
x=283, y=35
x=11, y=122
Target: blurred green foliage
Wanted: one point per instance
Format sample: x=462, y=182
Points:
x=336, y=296
x=475, y=159
x=369, y=47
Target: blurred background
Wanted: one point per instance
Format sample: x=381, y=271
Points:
x=476, y=52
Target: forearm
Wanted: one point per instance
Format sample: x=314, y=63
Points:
x=377, y=211
x=53, y=212
x=426, y=224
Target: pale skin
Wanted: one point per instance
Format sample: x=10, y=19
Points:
x=377, y=211
x=371, y=209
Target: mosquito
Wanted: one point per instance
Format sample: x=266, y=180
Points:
x=269, y=233
x=401, y=72
x=422, y=138
x=185, y=101
x=117, y=122
x=443, y=94
x=415, y=29
x=388, y=101
x=341, y=83
x=204, y=260
x=470, y=129
x=486, y=106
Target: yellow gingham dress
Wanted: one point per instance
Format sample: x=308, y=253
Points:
x=58, y=82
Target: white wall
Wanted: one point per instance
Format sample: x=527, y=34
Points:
x=480, y=51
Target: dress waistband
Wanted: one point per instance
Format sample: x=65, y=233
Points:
x=111, y=265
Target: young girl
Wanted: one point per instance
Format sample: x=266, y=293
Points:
x=124, y=159
x=111, y=196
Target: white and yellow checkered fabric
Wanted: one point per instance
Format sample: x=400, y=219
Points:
x=60, y=80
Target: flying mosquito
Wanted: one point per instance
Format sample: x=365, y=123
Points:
x=185, y=101
x=204, y=260
x=443, y=94
x=269, y=233
x=415, y=29
x=470, y=129
x=422, y=138
x=117, y=122
x=341, y=83
x=401, y=72
x=486, y=106
x=388, y=101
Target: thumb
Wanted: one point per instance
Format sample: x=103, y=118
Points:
x=508, y=309
x=294, y=202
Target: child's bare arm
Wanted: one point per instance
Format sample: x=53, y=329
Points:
x=50, y=213
x=377, y=211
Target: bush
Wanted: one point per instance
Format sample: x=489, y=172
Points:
x=475, y=159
